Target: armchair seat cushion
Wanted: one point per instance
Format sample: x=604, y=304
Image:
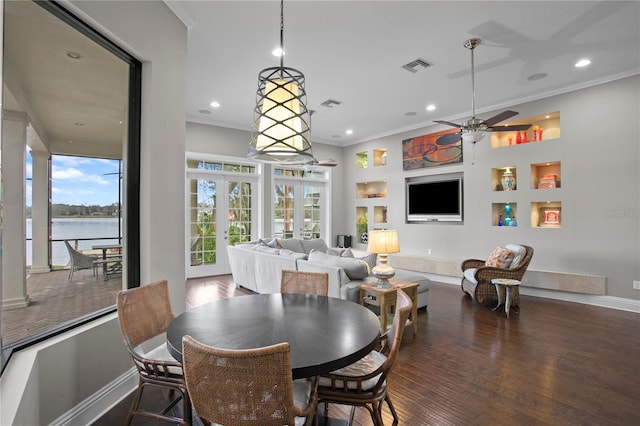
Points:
x=470, y=275
x=161, y=353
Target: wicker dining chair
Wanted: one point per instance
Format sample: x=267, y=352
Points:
x=80, y=260
x=144, y=313
x=299, y=282
x=364, y=383
x=248, y=386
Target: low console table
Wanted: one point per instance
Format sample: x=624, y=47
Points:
x=385, y=299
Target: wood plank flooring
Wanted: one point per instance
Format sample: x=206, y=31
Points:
x=551, y=363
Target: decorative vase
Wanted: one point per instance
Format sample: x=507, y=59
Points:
x=540, y=133
x=518, y=138
x=508, y=180
x=500, y=221
x=525, y=137
x=507, y=215
x=510, y=138
x=514, y=222
x=535, y=132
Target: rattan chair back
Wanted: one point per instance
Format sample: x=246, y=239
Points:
x=242, y=387
x=300, y=282
x=351, y=385
x=144, y=313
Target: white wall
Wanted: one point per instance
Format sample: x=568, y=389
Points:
x=599, y=154
x=59, y=374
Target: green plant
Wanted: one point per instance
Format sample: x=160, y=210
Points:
x=362, y=225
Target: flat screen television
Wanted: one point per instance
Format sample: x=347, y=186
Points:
x=436, y=198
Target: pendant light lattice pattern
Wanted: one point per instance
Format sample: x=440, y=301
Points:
x=281, y=126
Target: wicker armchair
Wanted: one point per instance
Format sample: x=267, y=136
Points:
x=80, y=260
x=247, y=387
x=299, y=282
x=483, y=291
x=144, y=313
x=364, y=383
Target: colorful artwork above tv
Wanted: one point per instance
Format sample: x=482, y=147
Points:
x=423, y=151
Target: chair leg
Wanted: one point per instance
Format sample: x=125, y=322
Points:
x=391, y=408
x=134, y=404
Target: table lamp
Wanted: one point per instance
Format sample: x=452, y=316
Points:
x=383, y=242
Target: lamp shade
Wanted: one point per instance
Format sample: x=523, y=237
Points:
x=383, y=241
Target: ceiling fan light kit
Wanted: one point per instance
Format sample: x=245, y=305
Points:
x=282, y=132
x=474, y=129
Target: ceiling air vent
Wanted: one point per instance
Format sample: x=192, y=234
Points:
x=329, y=103
x=417, y=65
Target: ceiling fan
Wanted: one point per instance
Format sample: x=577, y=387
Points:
x=474, y=129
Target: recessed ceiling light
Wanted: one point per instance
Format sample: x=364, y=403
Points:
x=215, y=104
x=336, y=136
x=204, y=111
x=73, y=55
x=537, y=76
x=582, y=63
x=349, y=132
x=278, y=52
x=431, y=107
x=410, y=113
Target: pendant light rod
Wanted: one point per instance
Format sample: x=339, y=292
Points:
x=471, y=45
x=281, y=33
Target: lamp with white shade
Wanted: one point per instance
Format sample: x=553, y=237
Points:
x=383, y=242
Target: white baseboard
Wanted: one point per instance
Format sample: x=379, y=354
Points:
x=620, y=303
x=94, y=407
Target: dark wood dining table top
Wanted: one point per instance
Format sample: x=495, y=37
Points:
x=324, y=333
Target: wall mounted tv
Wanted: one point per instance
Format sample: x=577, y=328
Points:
x=434, y=198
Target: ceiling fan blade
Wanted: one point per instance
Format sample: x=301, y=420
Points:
x=512, y=128
x=500, y=117
x=448, y=139
x=329, y=162
x=448, y=123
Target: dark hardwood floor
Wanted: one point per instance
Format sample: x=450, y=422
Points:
x=551, y=363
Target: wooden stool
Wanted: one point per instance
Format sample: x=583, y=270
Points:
x=512, y=288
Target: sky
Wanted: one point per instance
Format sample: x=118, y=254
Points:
x=80, y=180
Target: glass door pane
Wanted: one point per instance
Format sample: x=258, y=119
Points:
x=202, y=222
x=284, y=211
x=240, y=212
x=311, y=212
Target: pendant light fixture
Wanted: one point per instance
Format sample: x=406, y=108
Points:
x=281, y=127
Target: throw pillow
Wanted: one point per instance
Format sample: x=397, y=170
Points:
x=347, y=253
x=294, y=254
x=355, y=269
x=500, y=257
x=371, y=260
x=273, y=243
x=292, y=244
x=335, y=251
x=518, y=254
x=315, y=244
x=266, y=249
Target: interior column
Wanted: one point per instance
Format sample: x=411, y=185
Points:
x=14, y=277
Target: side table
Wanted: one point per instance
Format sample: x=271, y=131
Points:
x=385, y=299
x=512, y=288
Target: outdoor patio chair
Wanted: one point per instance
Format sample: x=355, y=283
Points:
x=80, y=260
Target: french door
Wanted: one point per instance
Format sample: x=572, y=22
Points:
x=221, y=212
x=299, y=208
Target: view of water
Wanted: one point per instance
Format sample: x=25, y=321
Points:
x=72, y=228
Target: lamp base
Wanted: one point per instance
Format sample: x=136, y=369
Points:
x=383, y=273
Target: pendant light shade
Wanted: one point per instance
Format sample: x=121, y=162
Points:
x=281, y=126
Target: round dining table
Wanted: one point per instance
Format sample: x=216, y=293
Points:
x=324, y=333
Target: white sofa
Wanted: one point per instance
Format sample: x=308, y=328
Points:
x=257, y=266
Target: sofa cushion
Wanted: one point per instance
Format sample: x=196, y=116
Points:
x=371, y=260
x=315, y=244
x=355, y=269
x=518, y=254
x=292, y=244
x=294, y=254
x=247, y=246
x=266, y=249
x=500, y=257
x=347, y=253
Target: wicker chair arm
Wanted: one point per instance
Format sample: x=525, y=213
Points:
x=356, y=379
x=471, y=263
x=487, y=273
